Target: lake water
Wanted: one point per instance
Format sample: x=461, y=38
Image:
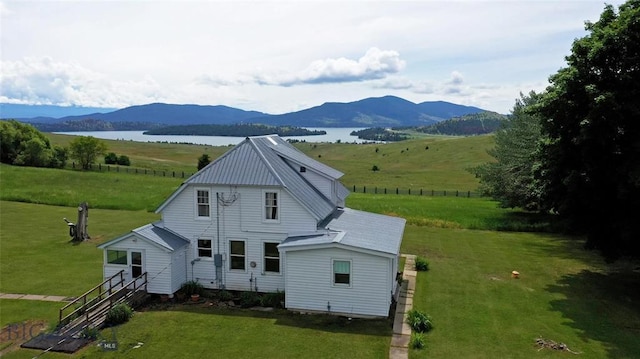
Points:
x=333, y=135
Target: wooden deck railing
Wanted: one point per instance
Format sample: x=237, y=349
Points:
x=94, y=311
x=93, y=295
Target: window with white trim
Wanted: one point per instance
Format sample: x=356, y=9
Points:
x=271, y=257
x=116, y=257
x=271, y=206
x=203, y=204
x=341, y=272
x=237, y=255
x=205, y=248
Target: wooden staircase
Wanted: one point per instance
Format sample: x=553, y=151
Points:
x=90, y=311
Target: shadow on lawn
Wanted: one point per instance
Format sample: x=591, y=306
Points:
x=322, y=322
x=603, y=307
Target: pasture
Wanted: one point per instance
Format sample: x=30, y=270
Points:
x=565, y=293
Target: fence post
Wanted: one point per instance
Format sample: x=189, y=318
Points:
x=145, y=171
x=409, y=191
x=468, y=194
x=164, y=174
x=99, y=166
x=431, y=193
x=456, y=193
x=354, y=188
x=385, y=190
x=397, y=190
x=174, y=173
x=182, y=174
x=364, y=189
x=421, y=191
x=445, y=193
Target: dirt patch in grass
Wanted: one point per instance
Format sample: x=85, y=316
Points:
x=12, y=335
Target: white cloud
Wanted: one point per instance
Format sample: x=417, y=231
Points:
x=46, y=81
x=374, y=64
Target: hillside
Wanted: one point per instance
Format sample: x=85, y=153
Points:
x=385, y=111
x=472, y=124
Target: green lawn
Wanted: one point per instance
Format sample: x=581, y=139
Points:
x=107, y=190
x=563, y=294
x=37, y=257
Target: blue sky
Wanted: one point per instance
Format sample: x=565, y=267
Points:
x=279, y=57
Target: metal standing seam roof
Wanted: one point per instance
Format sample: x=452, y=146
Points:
x=260, y=161
x=155, y=233
x=356, y=229
x=286, y=150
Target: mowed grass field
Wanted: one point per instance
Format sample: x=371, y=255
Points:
x=564, y=293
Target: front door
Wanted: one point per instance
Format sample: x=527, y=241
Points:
x=136, y=265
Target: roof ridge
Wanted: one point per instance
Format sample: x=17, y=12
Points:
x=265, y=161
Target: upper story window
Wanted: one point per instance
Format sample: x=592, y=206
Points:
x=271, y=206
x=203, y=204
x=204, y=248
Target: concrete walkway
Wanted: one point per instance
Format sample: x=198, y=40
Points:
x=46, y=298
x=401, y=330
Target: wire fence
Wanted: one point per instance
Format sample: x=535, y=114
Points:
x=144, y=171
x=354, y=189
x=416, y=192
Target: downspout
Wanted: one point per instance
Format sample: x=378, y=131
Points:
x=218, y=257
x=218, y=221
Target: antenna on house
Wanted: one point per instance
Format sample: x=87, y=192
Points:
x=78, y=231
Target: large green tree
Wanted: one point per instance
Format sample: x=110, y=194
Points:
x=86, y=150
x=22, y=144
x=510, y=179
x=591, y=111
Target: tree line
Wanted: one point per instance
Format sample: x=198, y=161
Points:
x=574, y=149
x=236, y=130
x=22, y=144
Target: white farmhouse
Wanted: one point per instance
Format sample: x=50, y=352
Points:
x=265, y=217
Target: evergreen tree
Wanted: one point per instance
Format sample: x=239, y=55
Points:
x=510, y=179
x=203, y=161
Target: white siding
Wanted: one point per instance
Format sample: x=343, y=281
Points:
x=244, y=215
x=179, y=268
x=204, y=270
x=293, y=217
x=156, y=262
x=309, y=282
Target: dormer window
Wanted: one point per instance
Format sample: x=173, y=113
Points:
x=303, y=169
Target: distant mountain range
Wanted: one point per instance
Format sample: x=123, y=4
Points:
x=388, y=111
